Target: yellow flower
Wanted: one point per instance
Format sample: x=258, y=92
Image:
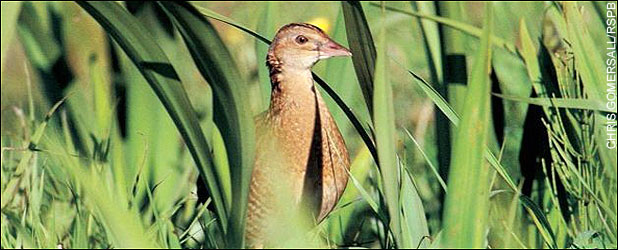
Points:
x=322, y=23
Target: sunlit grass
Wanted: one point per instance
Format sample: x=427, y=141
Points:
x=111, y=111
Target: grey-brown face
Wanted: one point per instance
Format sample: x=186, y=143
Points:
x=302, y=45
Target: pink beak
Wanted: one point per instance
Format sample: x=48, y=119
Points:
x=331, y=49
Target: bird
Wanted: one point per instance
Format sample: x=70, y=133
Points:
x=301, y=163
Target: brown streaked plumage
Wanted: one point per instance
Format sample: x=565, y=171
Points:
x=301, y=157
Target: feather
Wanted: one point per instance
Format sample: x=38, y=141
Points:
x=301, y=161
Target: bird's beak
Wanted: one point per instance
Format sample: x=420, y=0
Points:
x=331, y=49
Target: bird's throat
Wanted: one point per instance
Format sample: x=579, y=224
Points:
x=293, y=91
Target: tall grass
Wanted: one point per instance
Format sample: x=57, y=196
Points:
x=465, y=222
x=111, y=111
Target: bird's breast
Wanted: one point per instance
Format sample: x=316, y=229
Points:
x=293, y=126
x=301, y=161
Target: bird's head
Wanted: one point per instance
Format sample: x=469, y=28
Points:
x=300, y=46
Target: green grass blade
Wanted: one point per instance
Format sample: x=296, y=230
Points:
x=342, y=71
x=433, y=45
x=464, y=27
x=345, y=215
x=37, y=40
x=431, y=41
x=571, y=103
x=431, y=165
x=221, y=163
x=529, y=55
x=455, y=47
x=123, y=224
x=146, y=54
x=591, y=68
x=9, y=189
x=589, y=63
x=366, y=196
x=362, y=132
x=149, y=149
x=219, y=17
x=384, y=124
x=455, y=119
x=533, y=209
x=362, y=47
x=467, y=201
x=457, y=41
x=231, y=110
x=265, y=26
x=415, y=228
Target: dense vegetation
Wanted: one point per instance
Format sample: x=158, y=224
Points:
x=468, y=124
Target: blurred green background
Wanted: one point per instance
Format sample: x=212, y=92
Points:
x=109, y=168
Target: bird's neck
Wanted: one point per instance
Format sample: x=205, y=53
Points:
x=292, y=89
x=294, y=115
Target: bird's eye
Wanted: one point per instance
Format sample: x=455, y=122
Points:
x=301, y=39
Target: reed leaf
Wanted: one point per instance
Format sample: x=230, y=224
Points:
x=384, y=124
x=266, y=26
x=467, y=201
x=533, y=209
x=232, y=114
x=146, y=54
x=591, y=68
x=455, y=24
x=362, y=47
x=571, y=103
x=414, y=228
